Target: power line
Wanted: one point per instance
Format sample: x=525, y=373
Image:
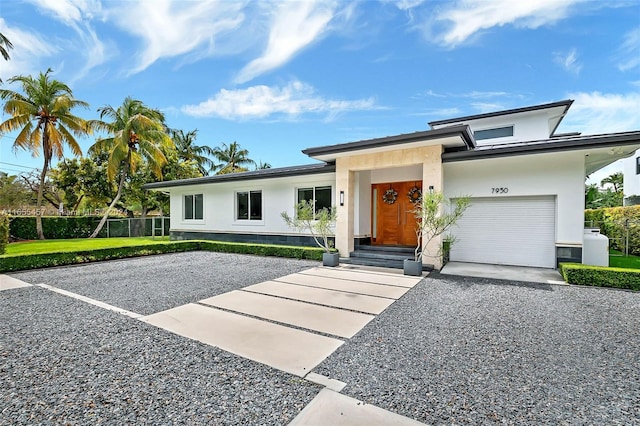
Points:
x=18, y=165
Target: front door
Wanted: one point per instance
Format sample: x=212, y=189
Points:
x=393, y=221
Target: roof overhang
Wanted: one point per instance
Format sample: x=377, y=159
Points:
x=281, y=172
x=452, y=138
x=601, y=150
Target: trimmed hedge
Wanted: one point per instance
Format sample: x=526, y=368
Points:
x=46, y=260
x=600, y=276
x=611, y=222
x=55, y=227
x=4, y=232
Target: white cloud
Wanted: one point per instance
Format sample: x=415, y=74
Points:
x=294, y=25
x=292, y=100
x=568, y=61
x=468, y=17
x=595, y=113
x=629, y=51
x=28, y=49
x=77, y=14
x=170, y=29
x=483, y=107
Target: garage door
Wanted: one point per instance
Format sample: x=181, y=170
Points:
x=507, y=231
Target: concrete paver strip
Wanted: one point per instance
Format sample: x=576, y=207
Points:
x=338, y=299
x=332, y=321
x=360, y=287
x=7, y=282
x=332, y=408
x=287, y=349
x=377, y=278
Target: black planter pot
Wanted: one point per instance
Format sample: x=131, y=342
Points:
x=330, y=259
x=413, y=267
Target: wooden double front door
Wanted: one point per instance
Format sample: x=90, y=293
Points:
x=393, y=221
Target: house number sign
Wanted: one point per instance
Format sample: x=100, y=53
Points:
x=500, y=190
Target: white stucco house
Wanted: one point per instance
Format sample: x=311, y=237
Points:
x=526, y=184
x=631, y=170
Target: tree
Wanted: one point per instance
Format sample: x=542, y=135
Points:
x=43, y=116
x=137, y=134
x=5, y=46
x=319, y=224
x=13, y=192
x=262, y=166
x=189, y=151
x=616, y=180
x=232, y=159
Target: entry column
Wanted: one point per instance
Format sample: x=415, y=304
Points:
x=345, y=179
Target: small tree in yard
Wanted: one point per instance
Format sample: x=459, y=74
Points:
x=319, y=223
x=434, y=217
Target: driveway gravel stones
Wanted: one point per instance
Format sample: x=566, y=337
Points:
x=63, y=361
x=481, y=351
x=151, y=284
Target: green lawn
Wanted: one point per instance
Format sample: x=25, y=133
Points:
x=57, y=246
x=619, y=260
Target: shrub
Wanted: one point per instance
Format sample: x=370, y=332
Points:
x=600, y=276
x=612, y=224
x=4, y=232
x=55, y=227
x=45, y=260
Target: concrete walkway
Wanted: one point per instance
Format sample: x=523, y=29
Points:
x=292, y=323
x=503, y=272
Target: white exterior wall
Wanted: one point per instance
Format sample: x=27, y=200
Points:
x=631, y=179
x=362, y=213
x=278, y=195
x=558, y=174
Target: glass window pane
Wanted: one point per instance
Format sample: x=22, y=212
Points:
x=305, y=194
x=243, y=205
x=188, y=206
x=198, y=206
x=256, y=205
x=323, y=198
x=500, y=132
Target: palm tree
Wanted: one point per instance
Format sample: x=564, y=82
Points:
x=43, y=116
x=261, y=166
x=5, y=46
x=189, y=151
x=137, y=134
x=232, y=159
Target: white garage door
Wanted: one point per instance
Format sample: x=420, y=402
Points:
x=507, y=231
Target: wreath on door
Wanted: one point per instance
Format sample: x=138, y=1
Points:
x=415, y=195
x=390, y=196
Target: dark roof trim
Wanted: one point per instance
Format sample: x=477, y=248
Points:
x=461, y=130
x=545, y=146
x=566, y=103
x=308, y=169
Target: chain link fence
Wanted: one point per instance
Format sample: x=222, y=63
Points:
x=155, y=226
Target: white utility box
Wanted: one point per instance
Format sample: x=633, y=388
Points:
x=595, y=248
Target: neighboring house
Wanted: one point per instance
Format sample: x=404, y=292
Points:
x=526, y=185
x=632, y=180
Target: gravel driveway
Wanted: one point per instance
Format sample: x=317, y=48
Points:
x=450, y=351
x=478, y=351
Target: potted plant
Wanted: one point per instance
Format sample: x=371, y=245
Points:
x=434, y=216
x=319, y=224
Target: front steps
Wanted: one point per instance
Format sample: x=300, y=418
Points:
x=380, y=255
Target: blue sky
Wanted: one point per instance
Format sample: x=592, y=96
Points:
x=278, y=77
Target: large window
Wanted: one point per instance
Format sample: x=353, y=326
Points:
x=249, y=205
x=193, y=207
x=499, y=132
x=320, y=196
x=638, y=165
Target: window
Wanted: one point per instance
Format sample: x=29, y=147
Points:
x=638, y=165
x=193, y=207
x=320, y=196
x=249, y=205
x=499, y=132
